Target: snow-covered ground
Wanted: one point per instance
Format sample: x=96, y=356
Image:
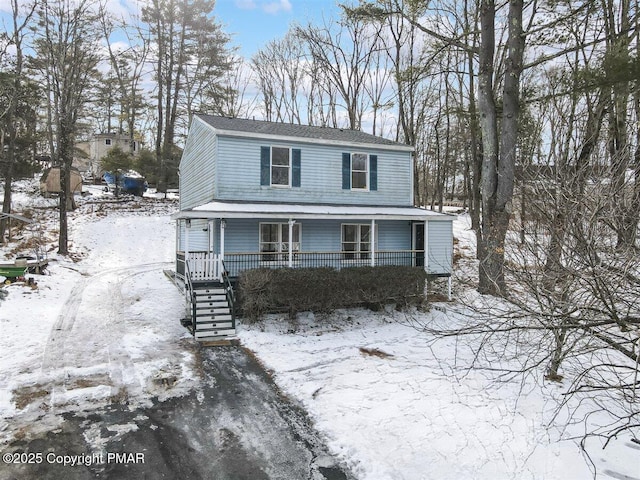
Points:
x=102, y=324
x=390, y=401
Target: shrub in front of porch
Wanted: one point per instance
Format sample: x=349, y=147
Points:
x=263, y=290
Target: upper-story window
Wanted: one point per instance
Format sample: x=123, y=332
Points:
x=107, y=141
x=280, y=166
x=359, y=171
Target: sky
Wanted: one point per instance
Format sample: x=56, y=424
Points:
x=252, y=23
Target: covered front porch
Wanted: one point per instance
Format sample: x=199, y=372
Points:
x=211, y=266
x=229, y=238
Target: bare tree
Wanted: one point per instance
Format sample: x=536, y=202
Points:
x=190, y=58
x=65, y=46
x=236, y=82
x=499, y=143
x=18, y=103
x=344, y=51
x=280, y=69
x=128, y=66
x=620, y=74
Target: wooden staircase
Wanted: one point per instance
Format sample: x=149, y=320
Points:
x=210, y=300
x=211, y=311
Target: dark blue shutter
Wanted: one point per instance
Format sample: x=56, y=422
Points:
x=295, y=167
x=265, y=165
x=346, y=171
x=373, y=172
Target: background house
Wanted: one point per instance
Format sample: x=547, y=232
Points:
x=263, y=194
x=91, y=151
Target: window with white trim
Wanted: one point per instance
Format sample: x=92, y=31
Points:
x=107, y=141
x=359, y=171
x=356, y=241
x=281, y=166
x=274, y=241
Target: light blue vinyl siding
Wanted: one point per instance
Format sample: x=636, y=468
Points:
x=440, y=247
x=198, y=236
x=241, y=235
x=238, y=175
x=198, y=166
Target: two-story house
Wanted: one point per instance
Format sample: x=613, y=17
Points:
x=97, y=147
x=263, y=194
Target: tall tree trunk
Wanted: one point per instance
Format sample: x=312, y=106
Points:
x=499, y=153
x=628, y=233
x=65, y=184
x=12, y=124
x=630, y=217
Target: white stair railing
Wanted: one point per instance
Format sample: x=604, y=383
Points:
x=205, y=266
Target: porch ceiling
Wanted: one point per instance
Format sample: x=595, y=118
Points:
x=301, y=211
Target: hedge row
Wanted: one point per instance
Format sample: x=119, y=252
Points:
x=263, y=290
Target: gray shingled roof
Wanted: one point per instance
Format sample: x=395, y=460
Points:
x=262, y=127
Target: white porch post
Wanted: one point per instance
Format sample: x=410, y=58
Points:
x=426, y=245
x=290, y=260
x=210, y=229
x=220, y=267
x=223, y=226
x=187, y=227
x=373, y=242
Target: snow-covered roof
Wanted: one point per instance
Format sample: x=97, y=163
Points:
x=219, y=209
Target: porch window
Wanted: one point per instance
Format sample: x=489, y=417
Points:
x=356, y=241
x=274, y=241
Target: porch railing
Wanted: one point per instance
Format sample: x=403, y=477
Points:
x=190, y=297
x=206, y=266
x=239, y=262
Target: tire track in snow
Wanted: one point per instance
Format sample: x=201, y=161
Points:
x=89, y=353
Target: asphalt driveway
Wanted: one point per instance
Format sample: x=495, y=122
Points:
x=238, y=426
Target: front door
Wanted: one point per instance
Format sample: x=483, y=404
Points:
x=418, y=244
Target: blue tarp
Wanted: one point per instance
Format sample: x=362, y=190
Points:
x=134, y=185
